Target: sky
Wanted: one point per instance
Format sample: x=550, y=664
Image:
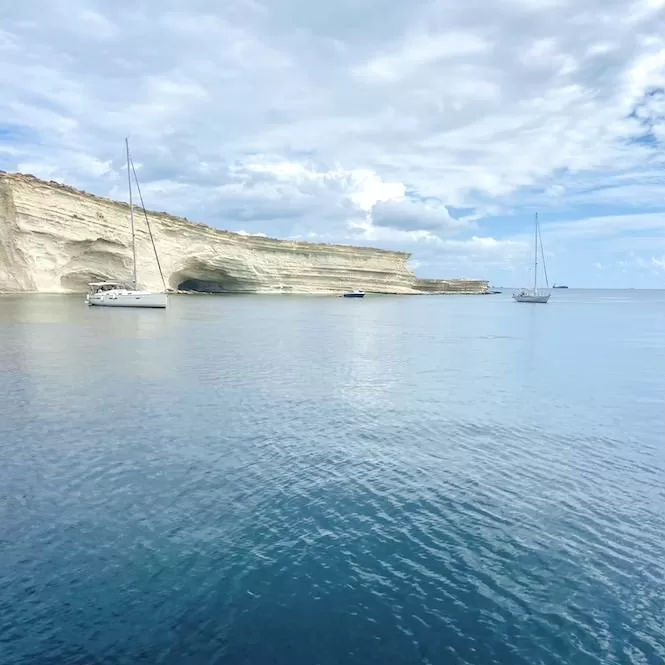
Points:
x=438, y=128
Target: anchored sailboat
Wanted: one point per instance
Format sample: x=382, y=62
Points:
x=534, y=295
x=118, y=294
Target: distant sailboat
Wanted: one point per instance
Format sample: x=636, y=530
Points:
x=117, y=294
x=533, y=295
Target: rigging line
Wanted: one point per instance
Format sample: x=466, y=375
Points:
x=145, y=214
x=542, y=254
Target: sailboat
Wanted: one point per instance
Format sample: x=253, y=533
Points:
x=534, y=295
x=119, y=294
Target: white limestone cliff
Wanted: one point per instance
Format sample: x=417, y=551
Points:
x=56, y=239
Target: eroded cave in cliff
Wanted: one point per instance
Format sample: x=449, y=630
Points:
x=207, y=280
x=90, y=263
x=206, y=286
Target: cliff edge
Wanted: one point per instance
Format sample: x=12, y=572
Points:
x=57, y=239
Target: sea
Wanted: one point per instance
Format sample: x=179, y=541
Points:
x=308, y=480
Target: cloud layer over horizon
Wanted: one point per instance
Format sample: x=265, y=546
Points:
x=434, y=127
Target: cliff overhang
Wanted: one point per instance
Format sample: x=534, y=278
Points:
x=55, y=238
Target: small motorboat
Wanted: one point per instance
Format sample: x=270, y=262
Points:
x=354, y=294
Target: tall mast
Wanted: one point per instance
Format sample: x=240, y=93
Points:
x=535, y=255
x=131, y=210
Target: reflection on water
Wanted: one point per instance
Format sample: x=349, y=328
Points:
x=318, y=480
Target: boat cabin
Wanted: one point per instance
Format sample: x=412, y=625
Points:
x=100, y=287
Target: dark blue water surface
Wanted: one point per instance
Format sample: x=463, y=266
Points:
x=309, y=480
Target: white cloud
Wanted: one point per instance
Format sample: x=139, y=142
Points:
x=407, y=214
x=488, y=252
x=421, y=50
x=355, y=123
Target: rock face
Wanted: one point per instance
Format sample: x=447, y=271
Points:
x=56, y=239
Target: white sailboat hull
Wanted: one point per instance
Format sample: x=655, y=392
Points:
x=531, y=297
x=128, y=298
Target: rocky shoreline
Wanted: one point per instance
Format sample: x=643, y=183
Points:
x=56, y=239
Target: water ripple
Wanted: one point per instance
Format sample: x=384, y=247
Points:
x=411, y=482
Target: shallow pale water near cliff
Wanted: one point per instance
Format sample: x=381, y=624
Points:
x=316, y=480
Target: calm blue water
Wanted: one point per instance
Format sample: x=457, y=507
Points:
x=312, y=480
